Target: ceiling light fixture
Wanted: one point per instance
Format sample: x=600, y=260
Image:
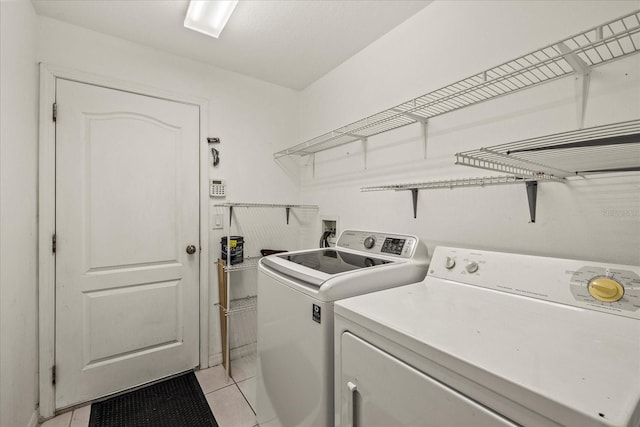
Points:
x=209, y=16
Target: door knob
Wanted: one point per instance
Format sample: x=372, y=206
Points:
x=191, y=249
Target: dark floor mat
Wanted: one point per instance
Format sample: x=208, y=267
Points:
x=175, y=402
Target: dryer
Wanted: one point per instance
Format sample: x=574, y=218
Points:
x=493, y=339
x=296, y=294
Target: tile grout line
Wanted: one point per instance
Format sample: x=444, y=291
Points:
x=245, y=397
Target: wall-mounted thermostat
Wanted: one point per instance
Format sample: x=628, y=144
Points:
x=217, y=188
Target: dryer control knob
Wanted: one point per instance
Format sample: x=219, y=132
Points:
x=472, y=267
x=369, y=242
x=605, y=289
x=450, y=263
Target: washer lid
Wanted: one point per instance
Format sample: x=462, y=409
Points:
x=331, y=261
x=318, y=265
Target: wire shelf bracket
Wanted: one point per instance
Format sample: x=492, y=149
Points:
x=576, y=55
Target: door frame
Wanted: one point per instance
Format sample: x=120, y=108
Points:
x=46, y=214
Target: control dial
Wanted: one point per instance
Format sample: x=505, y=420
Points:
x=605, y=289
x=450, y=263
x=369, y=242
x=472, y=267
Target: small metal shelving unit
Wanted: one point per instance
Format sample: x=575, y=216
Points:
x=227, y=306
x=573, y=56
x=609, y=148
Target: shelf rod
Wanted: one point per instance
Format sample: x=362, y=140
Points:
x=627, y=169
x=633, y=138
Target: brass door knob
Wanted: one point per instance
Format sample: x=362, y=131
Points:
x=191, y=249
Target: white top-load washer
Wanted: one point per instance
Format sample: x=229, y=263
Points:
x=296, y=293
x=493, y=339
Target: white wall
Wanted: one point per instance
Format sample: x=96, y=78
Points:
x=597, y=218
x=253, y=118
x=18, y=173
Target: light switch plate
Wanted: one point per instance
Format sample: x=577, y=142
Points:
x=215, y=221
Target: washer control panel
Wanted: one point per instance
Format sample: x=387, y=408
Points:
x=398, y=245
x=609, y=288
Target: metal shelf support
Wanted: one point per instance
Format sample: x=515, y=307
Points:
x=414, y=199
x=582, y=80
x=532, y=195
x=424, y=125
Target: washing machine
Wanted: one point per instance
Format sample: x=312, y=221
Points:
x=296, y=294
x=493, y=339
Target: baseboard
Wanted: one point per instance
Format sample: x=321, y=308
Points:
x=245, y=350
x=33, y=422
x=236, y=353
x=215, y=359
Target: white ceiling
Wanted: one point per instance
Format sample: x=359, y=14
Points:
x=290, y=43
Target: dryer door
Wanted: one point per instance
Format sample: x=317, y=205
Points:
x=379, y=390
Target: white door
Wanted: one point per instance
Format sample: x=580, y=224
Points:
x=126, y=209
x=378, y=390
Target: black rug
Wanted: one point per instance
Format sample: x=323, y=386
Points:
x=176, y=402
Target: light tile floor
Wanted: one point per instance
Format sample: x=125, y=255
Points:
x=232, y=402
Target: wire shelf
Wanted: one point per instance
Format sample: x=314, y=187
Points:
x=240, y=305
x=599, y=45
x=249, y=263
x=264, y=205
x=609, y=148
x=449, y=183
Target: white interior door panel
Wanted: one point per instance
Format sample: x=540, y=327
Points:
x=127, y=206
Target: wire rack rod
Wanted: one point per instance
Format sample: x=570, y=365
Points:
x=609, y=148
x=599, y=45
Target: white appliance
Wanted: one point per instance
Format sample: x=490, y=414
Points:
x=296, y=293
x=493, y=339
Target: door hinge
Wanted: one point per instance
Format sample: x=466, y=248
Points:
x=53, y=243
x=55, y=111
x=53, y=375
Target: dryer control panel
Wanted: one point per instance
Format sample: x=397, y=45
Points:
x=606, y=287
x=609, y=288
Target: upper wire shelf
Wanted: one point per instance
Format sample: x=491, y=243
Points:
x=609, y=148
x=576, y=54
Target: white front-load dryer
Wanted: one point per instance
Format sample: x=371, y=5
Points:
x=493, y=339
x=296, y=293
